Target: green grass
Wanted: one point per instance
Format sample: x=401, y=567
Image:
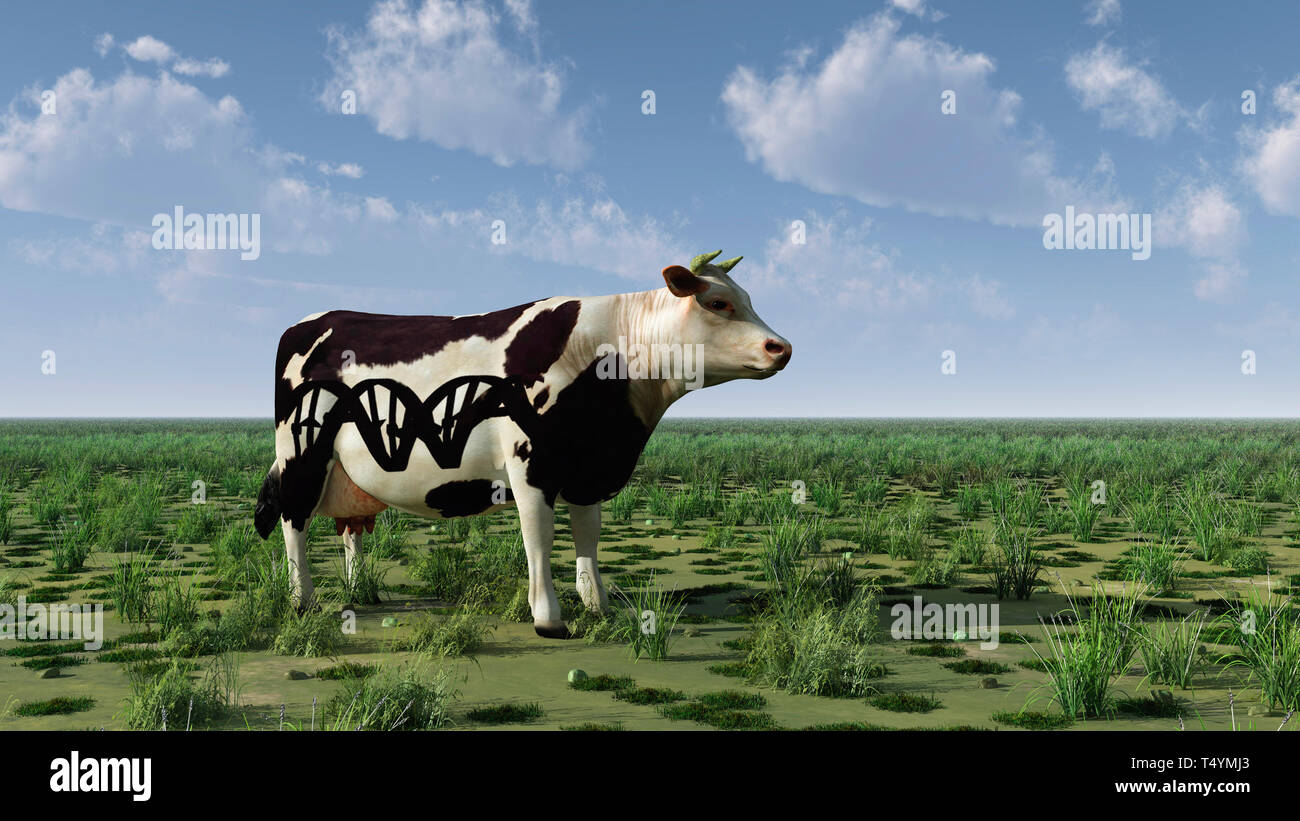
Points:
x=725, y=710
x=603, y=683
x=47, y=662
x=595, y=726
x=925, y=499
x=648, y=695
x=937, y=650
x=975, y=667
x=347, y=670
x=899, y=702
x=57, y=706
x=460, y=634
x=407, y=698
x=506, y=713
x=1030, y=720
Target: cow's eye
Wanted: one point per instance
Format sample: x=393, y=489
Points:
x=719, y=305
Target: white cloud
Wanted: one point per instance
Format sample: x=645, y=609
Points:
x=124, y=150
x=104, y=44
x=1103, y=12
x=986, y=298
x=345, y=169
x=594, y=233
x=521, y=12
x=1221, y=282
x=919, y=9
x=443, y=74
x=1125, y=96
x=866, y=123
x=840, y=261
x=106, y=249
x=215, y=67
x=1273, y=160
x=1204, y=220
x=149, y=49
x=121, y=151
x=380, y=209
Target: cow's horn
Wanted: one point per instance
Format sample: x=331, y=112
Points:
x=727, y=264
x=702, y=260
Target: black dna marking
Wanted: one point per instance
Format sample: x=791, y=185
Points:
x=390, y=443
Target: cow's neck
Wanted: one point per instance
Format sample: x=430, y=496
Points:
x=641, y=318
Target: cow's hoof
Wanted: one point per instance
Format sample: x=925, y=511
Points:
x=551, y=629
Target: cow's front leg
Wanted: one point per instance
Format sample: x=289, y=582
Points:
x=585, y=523
x=537, y=519
x=295, y=550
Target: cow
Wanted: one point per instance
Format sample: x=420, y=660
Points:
x=447, y=416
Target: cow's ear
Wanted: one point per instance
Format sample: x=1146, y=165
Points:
x=682, y=282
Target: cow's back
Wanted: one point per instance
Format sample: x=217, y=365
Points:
x=345, y=345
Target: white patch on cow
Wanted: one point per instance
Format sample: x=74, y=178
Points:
x=293, y=368
x=459, y=404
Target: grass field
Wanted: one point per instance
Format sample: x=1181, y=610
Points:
x=1142, y=571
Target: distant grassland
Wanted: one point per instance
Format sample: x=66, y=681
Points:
x=1241, y=452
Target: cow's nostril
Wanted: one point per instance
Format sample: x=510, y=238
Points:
x=775, y=348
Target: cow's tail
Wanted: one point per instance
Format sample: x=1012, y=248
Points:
x=267, y=512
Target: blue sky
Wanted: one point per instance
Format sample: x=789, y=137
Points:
x=922, y=230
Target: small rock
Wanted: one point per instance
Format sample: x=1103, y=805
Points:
x=989, y=683
x=959, y=635
x=390, y=621
x=677, y=537
x=691, y=631
x=576, y=675
x=649, y=522
x=49, y=672
x=296, y=675
x=1260, y=710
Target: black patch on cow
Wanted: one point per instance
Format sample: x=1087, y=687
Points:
x=541, y=397
x=301, y=484
x=587, y=445
x=538, y=344
x=521, y=450
x=463, y=498
x=376, y=339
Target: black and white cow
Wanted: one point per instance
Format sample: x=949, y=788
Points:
x=548, y=402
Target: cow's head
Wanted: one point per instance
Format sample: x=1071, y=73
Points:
x=715, y=312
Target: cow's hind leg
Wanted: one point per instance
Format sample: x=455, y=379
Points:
x=585, y=523
x=537, y=520
x=295, y=548
x=351, y=551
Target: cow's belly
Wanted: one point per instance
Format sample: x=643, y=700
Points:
x=423, y=488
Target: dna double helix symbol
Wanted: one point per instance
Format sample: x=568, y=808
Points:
x=391, y=418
